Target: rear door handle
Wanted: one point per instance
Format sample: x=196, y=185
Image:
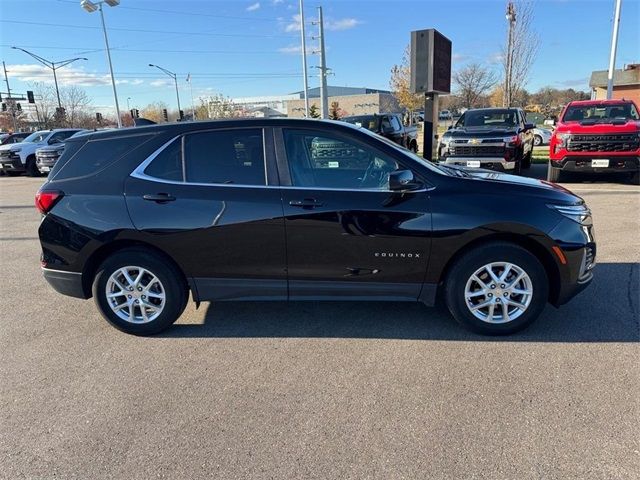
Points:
x=306, y=203
x=159, y=197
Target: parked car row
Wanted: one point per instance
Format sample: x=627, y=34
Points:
x=36, y=153
x=388, y=125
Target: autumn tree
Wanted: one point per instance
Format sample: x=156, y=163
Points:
x=335, y=112
x=400, y=84
x=519, y=55
x=472, y=82
x=216, y=106
x=153, y=112
x=313, y=111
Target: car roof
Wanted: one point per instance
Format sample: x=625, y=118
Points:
x=612, y=101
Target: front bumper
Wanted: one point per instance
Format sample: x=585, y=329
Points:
x=11, y=164
x=492, y=163
x=45, y=164
x=66, y=283
x=585, y=163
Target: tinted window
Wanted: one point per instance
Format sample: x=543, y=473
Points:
x=227, y=157
x=320, y=160
x=601, y=112
x=95, y=155
x=168, y=164
x=395, y=123
x=488, y=118
x=60, y=136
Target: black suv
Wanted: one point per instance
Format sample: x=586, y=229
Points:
x=139, y=218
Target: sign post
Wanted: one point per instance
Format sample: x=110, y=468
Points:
x=431, y=75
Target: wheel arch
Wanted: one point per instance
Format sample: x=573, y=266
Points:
x=101, y=254
x=531, y=245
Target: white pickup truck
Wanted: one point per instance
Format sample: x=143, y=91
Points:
x=21, y=157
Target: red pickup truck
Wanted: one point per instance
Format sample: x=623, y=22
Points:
x=596, y=136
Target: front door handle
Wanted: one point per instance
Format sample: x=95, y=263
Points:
x=306, y=203
x=159, y=197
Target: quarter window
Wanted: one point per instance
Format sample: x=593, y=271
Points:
x=168, y=163
x=318, y=160
x=226, y=157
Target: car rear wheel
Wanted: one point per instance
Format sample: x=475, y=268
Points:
x=537, y=140
x=554, y=174
x=497, y=289
x=138, y=292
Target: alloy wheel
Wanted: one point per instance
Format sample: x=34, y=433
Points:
x=135, y=294
x=498, y=292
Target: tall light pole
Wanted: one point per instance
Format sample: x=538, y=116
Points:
x=175, y=80
x=511, y=18
x=91, y=7
x=51, y=65
x=304, y=61
x=128, y=106
x=614, y=48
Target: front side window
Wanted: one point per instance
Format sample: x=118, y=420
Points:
x=319, y=160
x=234, y=157
x=36, y=137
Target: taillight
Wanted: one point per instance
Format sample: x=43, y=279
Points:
x=45, y=200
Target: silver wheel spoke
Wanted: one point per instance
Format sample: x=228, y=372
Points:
x=482, y=305
x=505, y=273
x=135, y=309
x=492, y=274
x=127, y=277
x=155, y=295
x=517, y=291
x=492, y=308
x=505, y=311
x=475, y=278
x=479, y=293
x=517, y=304
x=116, y=294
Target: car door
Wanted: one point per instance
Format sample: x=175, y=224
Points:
x=347, y=234
x=210, y=200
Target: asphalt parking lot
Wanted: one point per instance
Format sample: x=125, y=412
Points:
x=321, y=390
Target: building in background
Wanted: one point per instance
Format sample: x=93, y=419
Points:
x=626, y=83
x=351, y=100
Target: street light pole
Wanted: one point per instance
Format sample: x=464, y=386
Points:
x=511, y=17
x=53, y=66
x=304, y=61
x=614, y=48
x=175, y=80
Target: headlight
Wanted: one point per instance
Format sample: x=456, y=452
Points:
x=578, y=213
x=445, y=141
x=16, y=150
x=513, y=140
x=563, y=138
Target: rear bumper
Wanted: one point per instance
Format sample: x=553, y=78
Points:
x=66, y=283
x=493, y=163
x=583, y=163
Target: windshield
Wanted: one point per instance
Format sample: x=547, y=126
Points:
x=488, y=118
x=365, y=121
x=36, y=137
x=601, y=112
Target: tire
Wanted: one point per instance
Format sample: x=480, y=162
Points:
x=460, y=283
x=31, y=167
x=537, y=140
x=554, y=174
x=413, y=146
x=160, y=312
x=526, y=161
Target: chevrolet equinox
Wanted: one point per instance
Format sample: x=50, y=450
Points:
x=285, y=209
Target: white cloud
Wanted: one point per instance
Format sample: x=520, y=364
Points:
x=459, y=57
x=496, y=58
x=161, y=83
x=295, y=49
x=66, y=76
x=294, y=25
x=276, y=2
x=341, y=24
x=253, y=7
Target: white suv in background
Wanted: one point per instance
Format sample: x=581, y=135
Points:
x=21, y=157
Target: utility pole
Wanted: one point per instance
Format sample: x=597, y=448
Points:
x=304, y=61
x=113, y=80
x=324, y=101
x=511, y=18
x=614, y=48
x=10, y=100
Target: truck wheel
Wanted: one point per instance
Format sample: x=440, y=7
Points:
x=414, y=146
x=32, y=169
x=554, y=174
x=497, y=289
x=138, y=292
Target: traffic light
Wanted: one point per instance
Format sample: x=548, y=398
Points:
x=30, y=97
x=98, y=117
x=4, y=107
x=181, y=114
x=165, y=115
x=137, y=112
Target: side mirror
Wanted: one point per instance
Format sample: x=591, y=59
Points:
x=403, y=181
x=449, y=127
x=53, y=141
x=529, y=126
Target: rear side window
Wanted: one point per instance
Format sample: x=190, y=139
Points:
x=95, y=155
x=225, y=157
x=168, y=163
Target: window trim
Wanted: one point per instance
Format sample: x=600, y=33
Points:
x=138, y=172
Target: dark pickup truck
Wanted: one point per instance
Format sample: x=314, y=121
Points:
x=494, y=138
x=388, y=125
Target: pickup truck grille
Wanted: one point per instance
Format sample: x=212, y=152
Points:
x=4, y=154
x=476, y=150
x=603, y=143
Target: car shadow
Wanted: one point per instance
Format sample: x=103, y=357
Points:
x=607, y=311
x=539, y=171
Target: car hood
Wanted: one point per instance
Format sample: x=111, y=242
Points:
x=631, y=126
x=51, y=148
x=21, y=145
x=496, y=181
x=480, y=132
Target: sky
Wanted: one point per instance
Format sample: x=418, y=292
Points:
x=241, y=48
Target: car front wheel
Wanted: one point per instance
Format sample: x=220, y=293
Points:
x=497, y=289
x=138, y=292
x=537, y=140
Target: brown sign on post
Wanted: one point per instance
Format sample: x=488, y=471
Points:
x=430, y=62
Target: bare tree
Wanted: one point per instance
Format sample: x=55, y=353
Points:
x=76, y=103
x=473, y=82
x=519, y=54
x=46, y=103
x=400, y=84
